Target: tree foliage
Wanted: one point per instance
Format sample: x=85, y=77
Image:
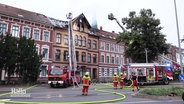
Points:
x=143, y=32
x=8, y=54
x=19, y=56
x=28, y=60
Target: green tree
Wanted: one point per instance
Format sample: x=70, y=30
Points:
x=28, y=60
x=8, y=54
x=143, y=32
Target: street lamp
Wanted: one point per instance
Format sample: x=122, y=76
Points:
x=180, y=53
x=111, y=17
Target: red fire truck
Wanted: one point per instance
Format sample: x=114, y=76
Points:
x=60, y=77
x=148, y=73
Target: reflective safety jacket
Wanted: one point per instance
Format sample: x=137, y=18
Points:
x=86, y=80
x=121, y=78
x=115, y=78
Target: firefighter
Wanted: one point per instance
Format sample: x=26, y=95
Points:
x=134, y=83
x=86, y=82
x=121, y=80
x=115, y=81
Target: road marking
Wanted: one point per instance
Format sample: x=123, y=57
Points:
x=4, y=100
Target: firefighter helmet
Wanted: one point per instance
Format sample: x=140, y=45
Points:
x=87, y=73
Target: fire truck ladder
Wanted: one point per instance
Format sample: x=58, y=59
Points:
x=72, y=54
x=167, y=59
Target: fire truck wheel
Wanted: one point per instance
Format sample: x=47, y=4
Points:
x=65, y=84
x=166, y=81
x=51, y=85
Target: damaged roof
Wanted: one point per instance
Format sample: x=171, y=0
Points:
x=82, y=16
x=58, y=23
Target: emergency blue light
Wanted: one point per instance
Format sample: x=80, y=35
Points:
x=168, y=64
x=119, y=67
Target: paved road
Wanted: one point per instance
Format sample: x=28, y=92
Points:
x=43, y=93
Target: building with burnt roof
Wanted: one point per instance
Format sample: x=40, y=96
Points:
x=86, y=45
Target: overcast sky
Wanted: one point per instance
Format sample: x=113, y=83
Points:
x=99, y=9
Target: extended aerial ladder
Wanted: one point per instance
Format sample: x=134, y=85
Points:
x=168, y=59
x=72, y=54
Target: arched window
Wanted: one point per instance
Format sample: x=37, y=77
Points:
x=80, y=41
x=84, y=41
x=76, y=40
x=89, y=44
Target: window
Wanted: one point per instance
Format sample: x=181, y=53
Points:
x=108, y=72
x=117, y=47
x=66, y=39
x=15, y=31
x=89, y=44
x=78, y=26
x=102, y=45
x=76, y=38
x=84, y=42
x=3, y=28
x=103, y=72
x=77, y=55
x=26, y=32
x=45, y=53
x=107, y=47
x=112, y=59
x=94, y=58
x=43, y=71
x=37, y=49
x=102, y=58
x=46, y=36
x=58, y=38
x=112, y=47
x=117, y=60
x=89, y=58
x=94, y=44
x=112, y=70
x=80, y=41
x=121, y=49
x=122, y=60
x=65, y=57
x=36, y=34
x=107, y=59
x=58, y=54
x=83, y=56
x=82, y=27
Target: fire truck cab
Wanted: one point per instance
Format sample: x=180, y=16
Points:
x=148, y=73
x=60, y=77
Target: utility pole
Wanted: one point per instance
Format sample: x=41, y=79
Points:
x=146, y=51
x=72, y=54
x=180, y=53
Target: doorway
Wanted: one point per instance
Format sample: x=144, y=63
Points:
x=94, y=71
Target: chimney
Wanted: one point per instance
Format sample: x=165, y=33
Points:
x=100, y=27
x=113, y=32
